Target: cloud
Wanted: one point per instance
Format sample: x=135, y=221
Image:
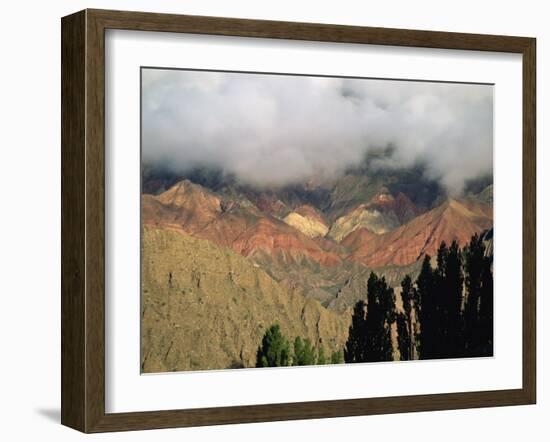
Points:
x=272, y=130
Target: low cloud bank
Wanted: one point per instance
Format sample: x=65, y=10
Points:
x=273, y=130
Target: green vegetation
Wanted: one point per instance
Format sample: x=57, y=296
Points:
x=321, y=359
x=355, y=350
x=337, y=357
x=478, y=311
x=440, y=301
x=370, y=331
x=447, y=312
x=185, y=327
x=274, y=351
x=405, y=330
x=304, y=352
x=456, y=303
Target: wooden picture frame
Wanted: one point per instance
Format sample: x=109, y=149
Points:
x=83, y=220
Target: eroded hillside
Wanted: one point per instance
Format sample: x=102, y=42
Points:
x=206, y=307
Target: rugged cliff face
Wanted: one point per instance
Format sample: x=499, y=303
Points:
x=206, y=307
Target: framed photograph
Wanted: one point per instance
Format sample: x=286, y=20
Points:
x=267, y=220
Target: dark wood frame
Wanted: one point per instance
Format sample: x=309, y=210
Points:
x=83, y=216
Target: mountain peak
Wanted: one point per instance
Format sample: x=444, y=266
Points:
x=185, y=193
x=453, y=220
x=184, y=187
x=384, y=228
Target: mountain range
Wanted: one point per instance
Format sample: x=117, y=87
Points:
x=306, y=251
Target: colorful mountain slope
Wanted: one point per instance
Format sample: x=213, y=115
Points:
x=453, y=220
x=382, y=213
x=195, y=210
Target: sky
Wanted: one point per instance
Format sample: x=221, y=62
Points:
x=275, y=130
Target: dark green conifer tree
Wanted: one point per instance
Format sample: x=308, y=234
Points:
x=321, y=358
x=478, y=310
x=337, y=357
x=407, y=296
x=427, y=309
x=304, y=352
x=374, y=324
x=380, y=316
x=355, y=348
x=453, y=302
x=486, y=308
x=441, y=290
x=473, y=270
x=448, y=288
x=274, y=350
x=369, y=338
x=403, y=337
x=387, y=305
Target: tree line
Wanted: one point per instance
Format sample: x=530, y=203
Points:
x=276, y=350
x=447, y=312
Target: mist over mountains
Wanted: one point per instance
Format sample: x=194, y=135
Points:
x=278, y=130
x=413, y=181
